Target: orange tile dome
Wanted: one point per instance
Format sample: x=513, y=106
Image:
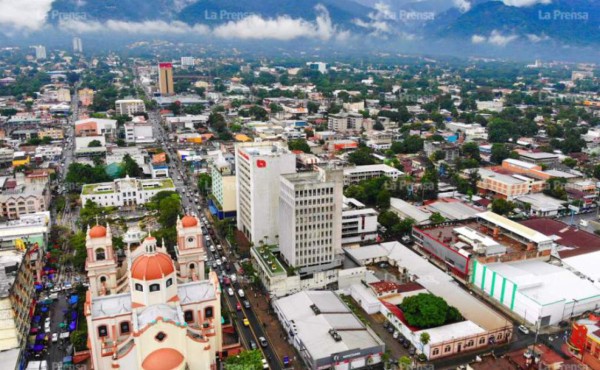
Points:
x=189, y=221
x=98, y=231
x=152, y=266
x=163, y=359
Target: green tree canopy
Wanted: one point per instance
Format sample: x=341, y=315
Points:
x=246, y=360
x=426, y=310
x=299, y=144
x=362, y=156
x=94, y=144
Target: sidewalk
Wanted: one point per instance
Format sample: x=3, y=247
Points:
x=272, y=328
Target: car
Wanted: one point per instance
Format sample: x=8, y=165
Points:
x=390, y=329
x=213, y=265
x=238, y=306
x=233, y=278
x=263, y=341
x=523, y=329
x=230, y=292
x=246, y=303
x=395, y=335
x=386, y=324
x=224, y=259
x=47, y=328
x=219, y=247
x=253, y=345
x=406, y=344
x=246, y=322
x=241, y=293
x=219, y=263
x=412, y=351
x=265, y=364
x=54, y=337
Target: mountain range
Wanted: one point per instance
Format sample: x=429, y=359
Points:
x=571, y=22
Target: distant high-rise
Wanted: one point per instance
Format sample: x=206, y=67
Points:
x=77, y=45
x=165, y=79
x=187, y=61
x=40, y=51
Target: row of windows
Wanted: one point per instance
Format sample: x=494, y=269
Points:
x=188, y=315
x=124, y=328
x=311, y=210
x=314, y=192
x=470, y=343
x=153, y=287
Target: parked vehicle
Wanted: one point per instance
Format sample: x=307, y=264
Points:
x=263, y=341
x=230, y=292
x=253, y=345
x=523, y=329
x=246, y=303
x=246, y=322
x=241, y=293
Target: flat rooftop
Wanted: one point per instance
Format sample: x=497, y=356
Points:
x=313, y=329
x=573, y=241
x=370, y=168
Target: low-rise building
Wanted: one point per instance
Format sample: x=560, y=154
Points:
x=359, y=224
x=86, y=97
x=95, y=127
x=124, y=192
x=130, y=106
x=326, y=333
x=353, y=175
x=136, y=133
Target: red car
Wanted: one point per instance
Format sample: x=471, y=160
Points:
x=238, y=306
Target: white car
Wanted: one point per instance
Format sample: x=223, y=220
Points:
x=265, y=364
x=233, y=278
x=47, y=328
x=219, y=262
x=230, y=292
x=523, y=329
x=54, y=337
x=241, y=293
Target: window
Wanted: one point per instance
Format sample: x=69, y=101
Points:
x=124, y=327
x=499, y=335
x=139, y=287
x=436, y=351
x=100, y=254
x=447, y=349
x=470, y=343
x=169, y=282
x=102, y=279
x=188, y=316
x=160, y=336
x=208, y=312
x=154, y=287
x=102, y=331
x=192, y=266
x=481, y=340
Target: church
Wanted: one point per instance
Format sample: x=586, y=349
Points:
x=152, y=313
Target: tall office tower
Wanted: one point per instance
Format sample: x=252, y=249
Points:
x=165, y=79
x=77, y=45
x=258, y=167
x=310, y=214
x=40, y=51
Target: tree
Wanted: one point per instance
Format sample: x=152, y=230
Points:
x=168, y=205
x=299, y=144
x=378, y=126
x=130, y=167
x=204, y=183
x=388, y=219
x=424, y=338
x=246, y=360
x=383, y=199
x=596, y=171
x=426, y=310
x=361, y=156
x=436, y=218
x=79, y=173
x=79, y=340
x=569, y=162
x=471, y=150
x=312, y=107
x=502, y=206
x=94, y=144
x=499, y=153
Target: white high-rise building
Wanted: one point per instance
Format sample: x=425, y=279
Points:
x=187, y=61
x=258, y=167
x=310, y=210
x=40, y=51
x=77, y=45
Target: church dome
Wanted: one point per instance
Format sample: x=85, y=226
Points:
x=152, y=266
x=189, y=221
x=98, y=231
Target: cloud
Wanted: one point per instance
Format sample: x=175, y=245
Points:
x=24, y=15
x=524, y=3
x=535, y=38
x=462, y=5
x=146, y=27
x=495, y=38
x=281, y=28
x=478, y=39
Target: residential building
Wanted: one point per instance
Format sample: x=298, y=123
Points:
x=507, y=186
x=258, y=167
x=124, y=192
x=451, y=151
x=495, y=105
x=224, y=188
x=165, y=79
x=129, y=106
x=353, y=175
x=86, y=97
x=311, y=205
x=326, y=332
x=63, y=95
x=471, y=131
x=95, y=127
x=584, y=340
x=152, y=311
x=17, y=198
x=54, y=133
x=344, y=121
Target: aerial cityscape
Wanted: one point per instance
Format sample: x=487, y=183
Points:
x=336, y=184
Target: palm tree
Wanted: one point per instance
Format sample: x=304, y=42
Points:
x=424, y=339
